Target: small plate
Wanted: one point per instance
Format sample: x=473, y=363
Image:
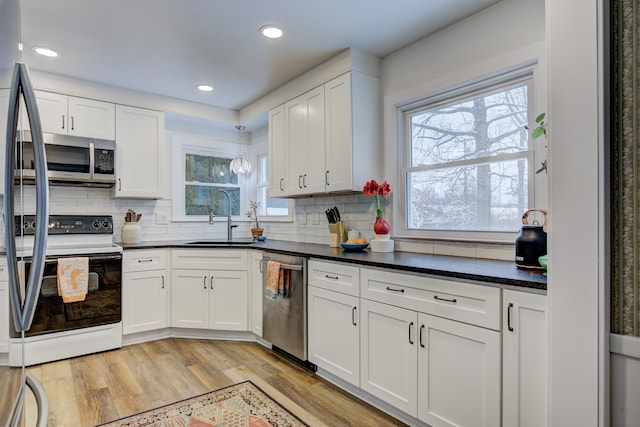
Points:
x=354, y=247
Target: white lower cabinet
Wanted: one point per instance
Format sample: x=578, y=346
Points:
x=334, y=333
x=389, y=354
x=524, y=359
x=255, y=292
x=145, y=286
x=443, y=372
x=458, y=373
x=207, y=298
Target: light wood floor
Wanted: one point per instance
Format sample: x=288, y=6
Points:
x=93, y=389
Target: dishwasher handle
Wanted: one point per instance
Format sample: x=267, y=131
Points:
x=285, y=266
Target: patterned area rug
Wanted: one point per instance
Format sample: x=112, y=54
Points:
x=239, y=405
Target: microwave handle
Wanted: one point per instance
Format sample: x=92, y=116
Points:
x=92, y=159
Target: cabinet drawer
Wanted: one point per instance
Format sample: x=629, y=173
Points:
x=334, y=277
x=473, y=304
x=210, y=259
x=144, y=260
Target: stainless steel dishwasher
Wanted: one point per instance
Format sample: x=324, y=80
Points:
x=284, y=320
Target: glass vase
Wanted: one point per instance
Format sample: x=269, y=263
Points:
x=381, y=226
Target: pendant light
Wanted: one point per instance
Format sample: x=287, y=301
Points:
x=240, y=164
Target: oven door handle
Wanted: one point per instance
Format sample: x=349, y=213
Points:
x=52, y=260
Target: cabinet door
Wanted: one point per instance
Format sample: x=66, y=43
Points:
x=228, y=300
x=91, y=119
x=313, y=179
x=53, y=112
x=458, y=373
x=255, y=292
x=338, y=136
x=278, y=153
x=388, y=359
x=5, y=312
x=139, y=153
x=304, y=126
x=334, y=333
x=144, y=301
x=189, y=299
x=296, y=136
x=524, y=353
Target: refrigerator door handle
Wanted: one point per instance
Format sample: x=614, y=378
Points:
x=21, y=87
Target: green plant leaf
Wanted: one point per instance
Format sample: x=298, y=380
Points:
x=538, y=132
x=540, y=118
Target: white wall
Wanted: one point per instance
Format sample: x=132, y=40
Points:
x=576, y=261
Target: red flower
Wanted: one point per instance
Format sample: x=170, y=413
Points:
x=371, y=188
x=384, y=189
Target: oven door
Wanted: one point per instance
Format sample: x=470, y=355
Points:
x=101, y=306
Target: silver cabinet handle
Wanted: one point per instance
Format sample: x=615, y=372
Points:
x=119, y=184
x=281, y=184
x=509, y=310
x=304, y=180
x=211, y=283
x=204, y=281
x=326, y=177
x=162, y=277
x=331, y=277
x=395, y=290
x=63, y=121
x=299, y=181
x=72, y=125
x=410, y=328
x=421, y=329
x=353, y=316
x=452, y=300
x=145, y=260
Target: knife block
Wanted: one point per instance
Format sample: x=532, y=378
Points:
x=336, y=237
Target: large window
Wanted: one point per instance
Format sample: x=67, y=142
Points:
x=203, y=176
x=467, y=160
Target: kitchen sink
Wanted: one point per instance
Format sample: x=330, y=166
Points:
x=219, y=242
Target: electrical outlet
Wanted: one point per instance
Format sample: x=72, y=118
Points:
x=162, y=219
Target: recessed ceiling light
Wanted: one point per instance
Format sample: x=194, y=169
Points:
x=205, y=88
x=45, y=51
x=271, y=32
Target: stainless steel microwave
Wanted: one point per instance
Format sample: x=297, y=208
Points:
x=72, y=161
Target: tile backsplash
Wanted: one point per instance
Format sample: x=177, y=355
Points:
x=309, y=223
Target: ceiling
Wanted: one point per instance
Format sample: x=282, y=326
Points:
x=167, y=47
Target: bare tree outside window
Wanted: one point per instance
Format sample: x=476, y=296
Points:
x=469, y=159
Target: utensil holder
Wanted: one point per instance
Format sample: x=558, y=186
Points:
x=131, y=232
x=338, y=234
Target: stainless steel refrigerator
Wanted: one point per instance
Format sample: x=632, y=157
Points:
x=15, y=383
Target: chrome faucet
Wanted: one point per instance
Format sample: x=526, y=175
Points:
x=211, y=215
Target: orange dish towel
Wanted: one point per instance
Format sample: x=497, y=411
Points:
x=273, y=280
x=73, y=278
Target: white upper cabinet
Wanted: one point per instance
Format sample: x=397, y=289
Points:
x=278, y=153
x=352, y=133
x=313, y=150
x=68, y=115
x=304, y=124
x=139, y=153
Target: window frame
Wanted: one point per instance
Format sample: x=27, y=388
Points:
x=260, y=154
x=481, y=85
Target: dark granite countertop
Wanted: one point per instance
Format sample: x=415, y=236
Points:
x=491, y=272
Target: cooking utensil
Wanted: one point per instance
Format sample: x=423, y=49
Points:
x=531, y=242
